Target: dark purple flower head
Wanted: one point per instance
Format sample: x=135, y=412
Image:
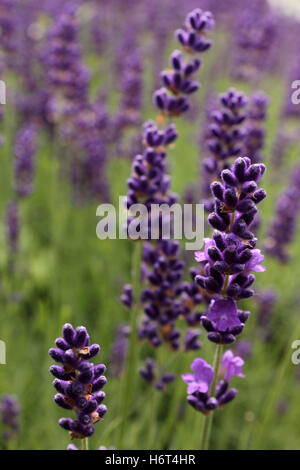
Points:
x=231, y=255
x=127, y=296
x=160, y=298
x=78, y=382
x=198, y=23
x=224, y=321
x=224, y=136
x=171, y=100
x=9, y=411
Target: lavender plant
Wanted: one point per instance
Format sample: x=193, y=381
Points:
x=149, y=184
x=79, y=382
x=226, y=267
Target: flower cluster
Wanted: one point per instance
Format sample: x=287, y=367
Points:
x=159, y=299
x=255, y=131
x=199, y=396
x=10, y=411
x=230, y=255
x=78, y=382
x=283, y=227
x=171, y=100
x=225, y=136
x=149, y=183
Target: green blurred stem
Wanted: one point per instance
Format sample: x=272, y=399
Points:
x=132, y=351
x=207, y=422
x=85, y=444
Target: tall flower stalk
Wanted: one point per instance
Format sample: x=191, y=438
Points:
x=226, y=267
x=149, y=183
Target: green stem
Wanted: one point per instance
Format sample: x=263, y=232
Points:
x=207, y=423
x=85, y=444
x=275, y=389
x=131, y=360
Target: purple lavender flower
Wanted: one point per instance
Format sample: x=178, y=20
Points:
x=25, y=150
x=224, y=137
x=119, y=351
x=233, y=365
x=255, y=38
x=12, y=225
x=224, y=321
x=266, y=301
x=284, y=224
x=230, y=255
x=171, y=100
x=255, y=131
x=201, y=379
x=160, y=300
x=7, y=25
x=127, y=296
x=67, y=76
x=78, y=382
x=199, y=383
x=243, y=349
x=10, y=412
x=149, y=374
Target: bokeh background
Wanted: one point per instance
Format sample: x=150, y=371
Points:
x=53, y=269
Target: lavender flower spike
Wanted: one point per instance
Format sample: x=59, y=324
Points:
x=10, y=411
x=78, y=382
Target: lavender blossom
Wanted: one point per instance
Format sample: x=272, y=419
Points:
x=150, y=375
x=231, y=255
x=171, y=100
x=78, y=382
x=10, y=411
x=25, y=150
x=225, y=137
x=159, y=299
x=199, y=383
x=12, y=225
x=256, y=33
x=67, y=76
x=283, y=227
x=255, y=131
x=119, y=351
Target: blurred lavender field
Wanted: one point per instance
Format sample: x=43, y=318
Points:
x=82, y=79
